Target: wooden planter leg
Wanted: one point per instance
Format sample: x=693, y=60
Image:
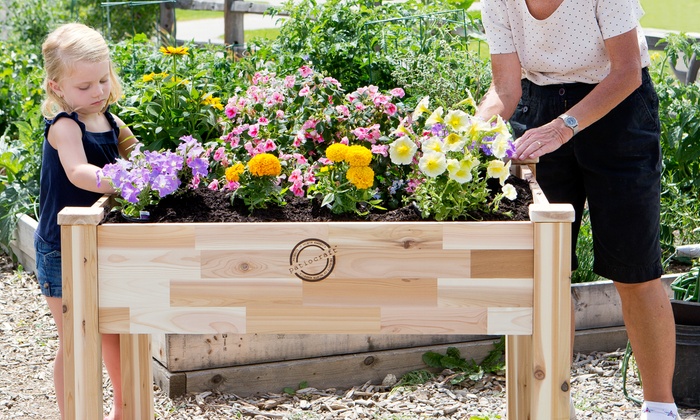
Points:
x=82, y=346
x=551, y=366
x=518, y=376
x=137, y=376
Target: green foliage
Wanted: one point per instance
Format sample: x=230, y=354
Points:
x=584, y=252
x=679, y=106
x=680, y=119
x=31, y=20
x=680, y=216
x=332, y=38
x=453, y=360
x=20, y=85
x=448, y=73
x=117, y=22
x=20, y=160
x=687, y=285
x=173, y=95
x=291, y=391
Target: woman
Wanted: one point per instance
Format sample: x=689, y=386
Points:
x=571, y=75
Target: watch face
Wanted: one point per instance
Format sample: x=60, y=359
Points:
x=571, y=121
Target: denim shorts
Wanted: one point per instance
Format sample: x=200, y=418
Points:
x=48, y=268
x=615, y=166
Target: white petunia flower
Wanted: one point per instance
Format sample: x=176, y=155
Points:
x=498, y=169
x=432, y=164
x=457, y=120
x=402, y=150
x=509, y=192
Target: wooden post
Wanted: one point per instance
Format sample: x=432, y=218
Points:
x=82, y=346
x=550, y=388
x=166, y=24
x=233, y=26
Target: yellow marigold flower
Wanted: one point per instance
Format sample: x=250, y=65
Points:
x=336, y=152
x=148, y=77
x=233, y=173
x=358, y=156
x=170, y=50
x=265, y=164
x=213, y=102
x=362, y=177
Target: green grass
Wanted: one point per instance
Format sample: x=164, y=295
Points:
x=268, y=33
x=677, y=15
x=188, y=14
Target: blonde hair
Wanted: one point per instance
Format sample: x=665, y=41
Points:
x=62, y=48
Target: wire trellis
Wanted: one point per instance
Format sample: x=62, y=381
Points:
x=132, y=6
x=403, y=32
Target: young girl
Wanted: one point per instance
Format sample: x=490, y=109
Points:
x=80, y=137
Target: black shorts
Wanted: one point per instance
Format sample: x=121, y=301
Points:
x=615, y=164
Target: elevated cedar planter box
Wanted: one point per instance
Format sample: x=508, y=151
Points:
x=22, y=245
x=367, y=278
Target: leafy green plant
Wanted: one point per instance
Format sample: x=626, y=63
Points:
x=687, y=285
x=257, y=182
x=584, y=253
x=119, y=21
x=679, y=106
x=170, y=102
x=292, y=391
x=448, y=73
x=468, y=369
x=20, y=161
x=20, y=85
x=680, y=115
x=345, y=185
x=332, y=38
x=29, y=28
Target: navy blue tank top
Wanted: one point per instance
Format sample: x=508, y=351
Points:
x=56, y=191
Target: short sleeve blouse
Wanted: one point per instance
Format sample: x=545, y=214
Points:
x=566, y=47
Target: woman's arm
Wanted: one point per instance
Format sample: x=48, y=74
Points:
x=126, y=140
x=504, y=93
x=623, y=79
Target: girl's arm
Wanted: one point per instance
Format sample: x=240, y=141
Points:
x=624, y=77
x=127, y=140
x=65, y=136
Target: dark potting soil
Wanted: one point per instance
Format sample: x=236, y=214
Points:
x=203, y=205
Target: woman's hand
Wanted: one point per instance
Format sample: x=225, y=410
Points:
x=542, y=140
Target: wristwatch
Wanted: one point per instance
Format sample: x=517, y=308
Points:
x=570, y=122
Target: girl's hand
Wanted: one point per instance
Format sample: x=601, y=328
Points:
x=542, y=140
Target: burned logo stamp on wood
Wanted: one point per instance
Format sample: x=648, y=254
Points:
x=312, y=259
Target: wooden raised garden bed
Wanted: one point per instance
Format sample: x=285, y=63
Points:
x=386, y=278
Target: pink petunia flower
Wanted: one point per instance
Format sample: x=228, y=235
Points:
x=305, y=71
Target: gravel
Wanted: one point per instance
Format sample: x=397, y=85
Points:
x=28, y=343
